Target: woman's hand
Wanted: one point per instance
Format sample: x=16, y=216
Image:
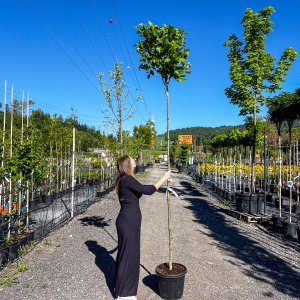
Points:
x=168, y=174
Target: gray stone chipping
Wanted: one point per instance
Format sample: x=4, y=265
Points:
x=225, y=258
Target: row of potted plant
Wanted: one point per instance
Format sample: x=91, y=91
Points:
x=10, y=247
x=252, y=203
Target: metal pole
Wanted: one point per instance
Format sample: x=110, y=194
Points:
x=73, y=174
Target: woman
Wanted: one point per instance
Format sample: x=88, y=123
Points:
x=128, y=226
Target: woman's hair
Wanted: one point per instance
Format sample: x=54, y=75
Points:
x=124, y=168
x=124, y=165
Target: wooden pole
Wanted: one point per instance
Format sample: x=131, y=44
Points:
x=280, y=171
x=3, y=140
x=22, y=118
x=27, y=182
x=20, y=194
x=4, y=123
x=73, y=174
x=11, y=139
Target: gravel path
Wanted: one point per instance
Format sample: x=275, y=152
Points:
x=225, y=258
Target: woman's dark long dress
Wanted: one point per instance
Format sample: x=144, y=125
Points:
x=128, y=226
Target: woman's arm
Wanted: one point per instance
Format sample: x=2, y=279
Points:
x=159, y=183
x=135, y=185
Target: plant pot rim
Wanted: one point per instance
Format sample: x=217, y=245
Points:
x=247, y=193
x=181, y=274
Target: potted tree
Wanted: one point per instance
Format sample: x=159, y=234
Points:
x=163, y=52
x=184, y=156
x=253, y=72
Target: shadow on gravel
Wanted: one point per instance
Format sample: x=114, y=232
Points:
x=104, y=262
x=265, y=266
x=98, y=222
x=94, y=221
x=151, y=282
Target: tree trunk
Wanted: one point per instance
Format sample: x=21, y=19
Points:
x=120, y=126
x=50, y=168
x=280, y=171
x=168, y=193
x=252, y=188
x=57, y=164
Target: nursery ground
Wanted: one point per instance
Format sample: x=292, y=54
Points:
x=225, y=258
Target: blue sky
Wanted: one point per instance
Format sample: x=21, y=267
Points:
x=54, y=48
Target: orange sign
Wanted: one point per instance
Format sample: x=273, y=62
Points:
x=185, y=139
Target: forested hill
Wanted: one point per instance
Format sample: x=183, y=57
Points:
x=202, y=132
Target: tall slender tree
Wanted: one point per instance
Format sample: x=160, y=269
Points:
x=163, y=52
x=253, y=70
x=115, y=96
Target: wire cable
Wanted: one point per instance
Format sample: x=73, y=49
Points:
x=50, y=108
x=27, y=7
x=67, y=38
x=95, y=15
x=115, y=7
x=96, y=18
x=87, y=35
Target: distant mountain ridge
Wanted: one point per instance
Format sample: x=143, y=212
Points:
x=201, y=131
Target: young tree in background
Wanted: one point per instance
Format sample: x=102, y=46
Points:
x=144, y=134
x=252, y=68
x=115, y=96
x=163, y=52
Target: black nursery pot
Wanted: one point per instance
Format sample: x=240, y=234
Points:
x=248, y=203
x=182, y=169
x=290, y=229
x=269, y=198
x=4, y=251
x=277, y=224
x=296, y=208
x=171, y=286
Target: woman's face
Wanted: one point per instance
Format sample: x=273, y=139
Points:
x=132, y=164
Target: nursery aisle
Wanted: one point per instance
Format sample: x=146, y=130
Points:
x=225, y=258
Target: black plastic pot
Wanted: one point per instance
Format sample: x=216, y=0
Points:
x=290, y=229
x=13, y=251
x=269, y=198
x=140, y=169
x=171, y=286
x=277, y=224
x=182, y=169
x=296, y=208
x=229, y=196
x=4, y=250
x=249, y=203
